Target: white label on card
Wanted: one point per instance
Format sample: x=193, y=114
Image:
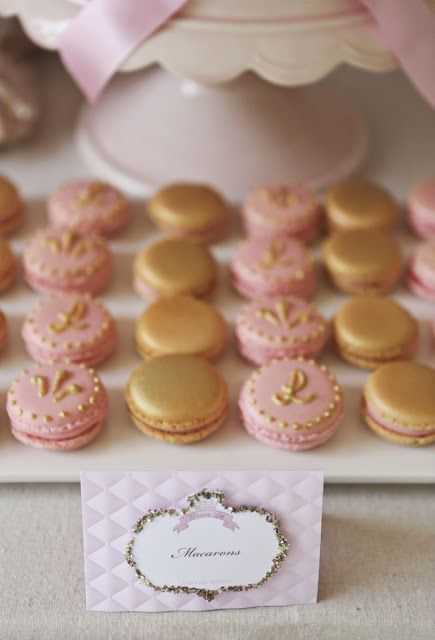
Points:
x=207, y=548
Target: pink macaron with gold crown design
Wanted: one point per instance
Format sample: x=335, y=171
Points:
x=271, y=268
x=56, y=407
x=91, y=206
x=66, y=260
x=286, y=327
x=69, y=327
x=282, y=210
x=292, y=404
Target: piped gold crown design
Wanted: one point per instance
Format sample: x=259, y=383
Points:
x=288, y=392
x=72, y=318
x=279, y=315
x=90, y=193
x=57, y=392
x=273, y=254
x=281, y=196
x=69, y=244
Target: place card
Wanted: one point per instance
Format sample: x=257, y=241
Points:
x=198, y=540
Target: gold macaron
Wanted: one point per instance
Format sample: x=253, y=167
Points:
x=180, y=324
x=177, y=398
x=189, y=210
x=363, y=262
x=11, y=206
x=357, y=204
x=370, y=331
x=172, y=267
x=399, y=403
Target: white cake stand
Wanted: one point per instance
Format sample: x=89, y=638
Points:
x=229, y=113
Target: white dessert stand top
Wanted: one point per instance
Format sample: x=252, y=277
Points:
x=288, y=42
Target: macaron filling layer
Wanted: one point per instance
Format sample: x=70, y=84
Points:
x=63, y=444
x=395, y=427
x=257, y=288
x=354, y=355
x=81, y=283
x=422, y=288
x=424, y=225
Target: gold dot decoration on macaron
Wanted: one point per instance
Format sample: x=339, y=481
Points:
x=188, y=208
x=363, y=261
x=369, y=331
x=174, y=266
x=180, y=324
x=357, y=204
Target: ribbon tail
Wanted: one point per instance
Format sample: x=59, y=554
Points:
x=104, y=33
x=407, y=27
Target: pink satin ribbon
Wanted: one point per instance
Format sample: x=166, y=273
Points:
x=105, y=32
x=407, y=27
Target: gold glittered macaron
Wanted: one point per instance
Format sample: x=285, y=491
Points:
x=363, y=262
x=189, y=210
x=357, y=204
x=11, y=206
x=177, y=398
x=180, y=324
x=174, y=266
x=399, y=403
x=370, y=331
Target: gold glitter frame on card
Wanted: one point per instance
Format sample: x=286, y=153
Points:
x=218, y=496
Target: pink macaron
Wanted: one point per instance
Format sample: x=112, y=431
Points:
x=69, y=327
x=282, y=210
x=88, y=205
x=56, y=407
x=272, y=268
x=292, y=404
x=282, y=328
x=420, y=276
x=65, y=260
x=421, y=209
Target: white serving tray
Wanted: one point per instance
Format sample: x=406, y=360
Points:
x=353, y=455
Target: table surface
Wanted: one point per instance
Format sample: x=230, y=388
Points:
x=354, y=454
x=378, y=553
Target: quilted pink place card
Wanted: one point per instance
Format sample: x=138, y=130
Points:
x=199, y=540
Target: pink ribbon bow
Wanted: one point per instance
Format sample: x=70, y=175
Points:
x=407, y=27
x=105, y=32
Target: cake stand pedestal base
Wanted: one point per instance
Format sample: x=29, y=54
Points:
x=152, y=128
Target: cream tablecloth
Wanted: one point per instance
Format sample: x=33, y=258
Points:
x=377, y=575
